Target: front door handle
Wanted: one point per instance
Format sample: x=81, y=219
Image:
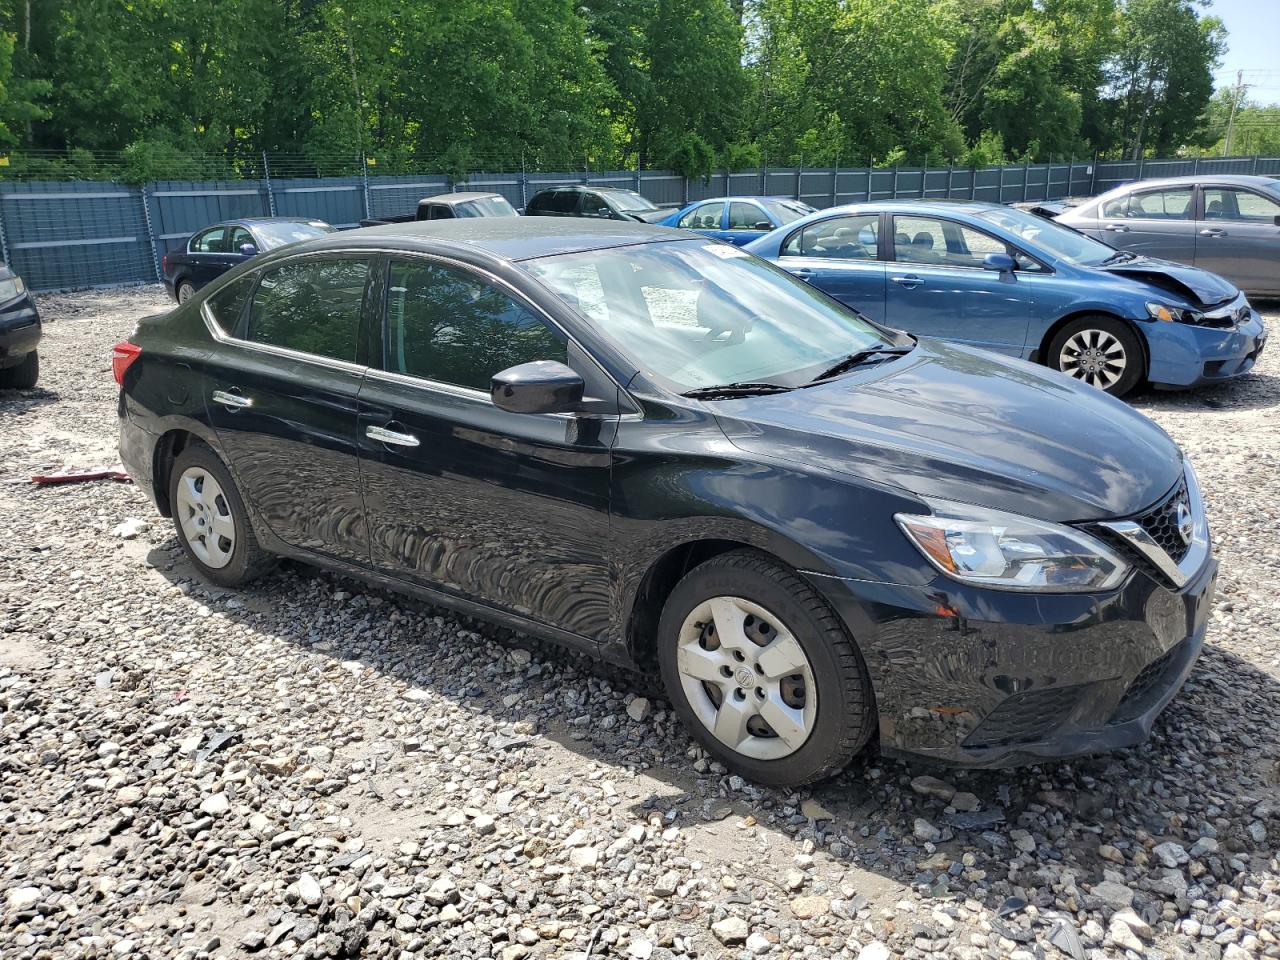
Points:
x=801, y=272
x=396, y=439
x=232, y=401
x=909, y=281
x=1116, y=228
x=1213, y=232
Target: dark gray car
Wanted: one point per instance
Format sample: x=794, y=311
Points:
x=1229, y=225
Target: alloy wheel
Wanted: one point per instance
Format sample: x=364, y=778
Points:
x=205, y=516
x=746, y=678
x=1094, y=356
x=185, y=292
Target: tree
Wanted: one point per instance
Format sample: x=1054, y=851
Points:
x=1160, y=81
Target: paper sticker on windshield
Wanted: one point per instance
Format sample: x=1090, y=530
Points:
x=726, y=251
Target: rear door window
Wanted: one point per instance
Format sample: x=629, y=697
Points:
x=706, y=216
x=840, y=238
x=564, y=201
x=311, y=306
x=447, y=325
x=212, y=240
x=227, y=305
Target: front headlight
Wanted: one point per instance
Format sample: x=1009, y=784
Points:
x=1161, y=311
x=11, y=288
x=1006, y=551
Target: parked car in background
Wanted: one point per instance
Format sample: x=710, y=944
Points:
x=1227, y=224
x=1049, y=209
x=450, y=206
x=1006, y=280
x=662, y=451
x=214, y=250
x=737, y=219
x=19, y=333
x=602, y=203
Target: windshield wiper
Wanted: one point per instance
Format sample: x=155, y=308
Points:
x=858, y=359
x=1120, y=256
x=728, y=391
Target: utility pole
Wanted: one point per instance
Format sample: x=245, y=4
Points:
x=1231, y=117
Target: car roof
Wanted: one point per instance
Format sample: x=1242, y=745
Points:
x=504, y=238
x=255, y=221
x=583, y=187
x=459, y=197
x=939, y=207
x=775, y=199
x=1227, y=179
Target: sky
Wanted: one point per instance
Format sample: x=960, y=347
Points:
x=1253, y=36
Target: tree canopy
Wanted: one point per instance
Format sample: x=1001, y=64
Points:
x=697, y=84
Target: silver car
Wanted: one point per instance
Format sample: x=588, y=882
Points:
x=1228, y=225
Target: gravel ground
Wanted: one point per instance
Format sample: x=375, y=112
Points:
x=315, y=768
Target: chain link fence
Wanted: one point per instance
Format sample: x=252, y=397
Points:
x=60, y=234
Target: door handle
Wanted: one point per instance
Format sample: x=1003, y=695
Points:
x=801, y=272
x=232, y=401
x=383, y=435
x=908, y=281
x=1213, y=232
x=1116, y=228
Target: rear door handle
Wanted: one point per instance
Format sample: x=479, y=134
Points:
x=233, y=401
x=396, y=439
x=1116, y=228
x=1213, y=232
x=908, y=281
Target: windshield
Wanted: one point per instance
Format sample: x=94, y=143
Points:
x=628, y=201
x=275, y=235
x=699, y=313
x=1053, y=238
x=786, y=211
x=487, y=207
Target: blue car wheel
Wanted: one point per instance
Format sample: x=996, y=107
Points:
x=1100, y=351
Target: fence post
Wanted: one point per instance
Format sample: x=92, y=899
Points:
x=637, y=178
x=1093, y=177
x=151, y=234
x=364, y=181
x=266, y=176
x=524, y=184
x=1195, y=166
x=4, y=236
x=685, y=192
x=1026, y=178
x=895, y=182
x=799, y=177
x=835, y=184
x=1254, y=168
x=1139, y=176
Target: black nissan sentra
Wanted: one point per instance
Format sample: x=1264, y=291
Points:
x=663, y=451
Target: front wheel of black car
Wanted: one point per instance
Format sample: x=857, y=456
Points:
x=762, y=671
x=1100, y=351
x=24, y=375
x=212, y=523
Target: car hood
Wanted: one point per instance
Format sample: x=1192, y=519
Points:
x=650, y=216
x=1198, y=287
x=958, y=424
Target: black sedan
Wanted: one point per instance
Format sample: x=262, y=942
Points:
x=665, y=452
x=19, y=334
x=213, y=251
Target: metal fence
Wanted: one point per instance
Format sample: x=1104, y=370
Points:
x=60, y=235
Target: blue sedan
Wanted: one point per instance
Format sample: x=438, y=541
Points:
x=1009, y=281
x=737, y=219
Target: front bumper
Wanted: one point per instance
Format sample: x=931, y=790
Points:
x=19, y=331
x=984, y=678
x=1184, y=355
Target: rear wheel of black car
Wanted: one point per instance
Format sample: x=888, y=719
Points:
x=212, y=523
x=1100, y=351
x=186, y=290
x=24, y=375
x=762, y=671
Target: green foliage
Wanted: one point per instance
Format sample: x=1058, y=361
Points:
x=175, y=89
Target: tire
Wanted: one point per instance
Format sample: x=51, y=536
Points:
x=825, y=707
x=211, y=520
x=1088, y=348
x=24, y=375
x=184, y=291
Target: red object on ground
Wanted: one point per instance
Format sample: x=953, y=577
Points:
x=82, y=476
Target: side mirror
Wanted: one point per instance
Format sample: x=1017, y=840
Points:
x=998, y=261
x=248, y=249
x=543, y=386
x=763, y=225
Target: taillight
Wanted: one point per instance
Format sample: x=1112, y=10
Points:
x=122, y=356
x=164, y=264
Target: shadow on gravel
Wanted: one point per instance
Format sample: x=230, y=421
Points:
x=1253, y=391
x=1211, y=769
x=24, y=401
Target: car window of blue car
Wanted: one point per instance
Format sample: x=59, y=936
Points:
x=747, y=216
x=312, y=306
x=706, y=216
x=447, y=325
x=700, y=314
x=839, y=238
x=1223, y=203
